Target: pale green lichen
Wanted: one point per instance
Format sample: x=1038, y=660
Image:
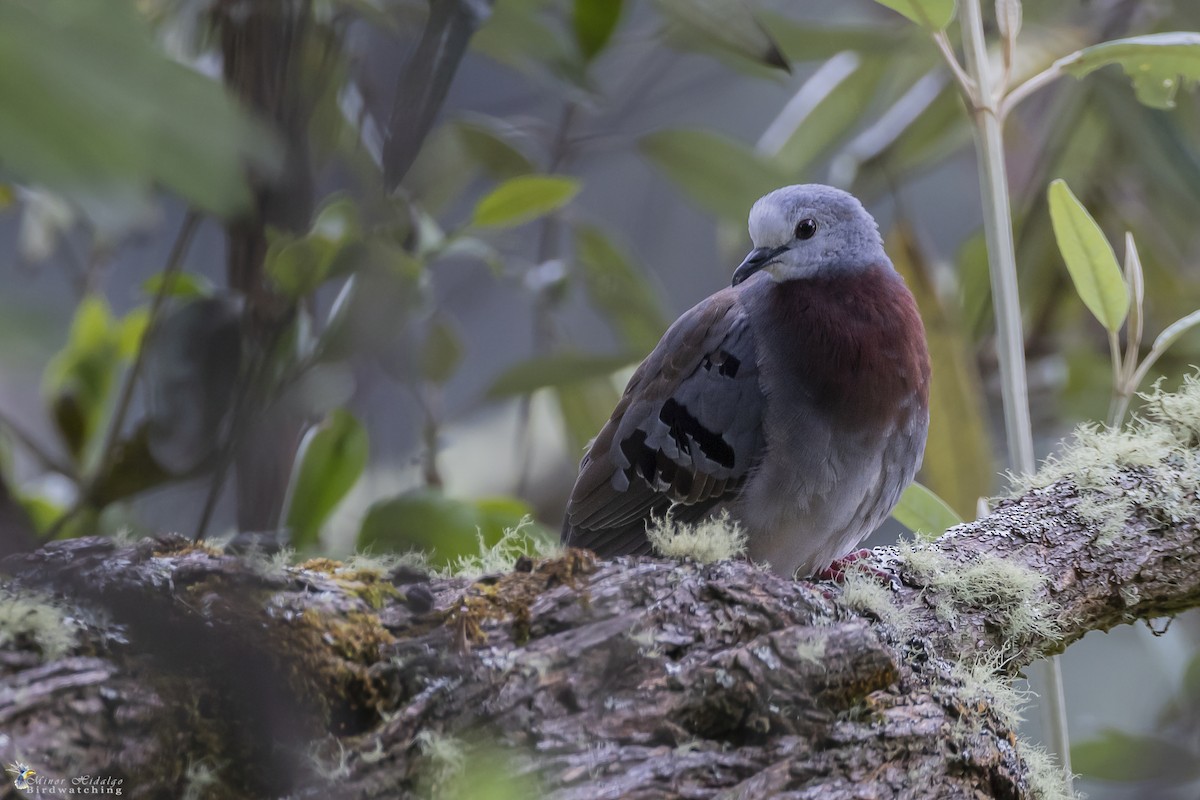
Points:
x=1045, y=775
x=716, y=539
x=1008, y=591
x=445, y=759
x=201, y=779
x=34, y=620
x=863, y=592
x=522, y=540
x=812, y=651
x=1164, y=435
x=983, y=681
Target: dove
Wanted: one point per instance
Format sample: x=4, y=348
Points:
x=796, y=399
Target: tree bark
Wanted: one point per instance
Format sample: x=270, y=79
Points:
x=192, y=670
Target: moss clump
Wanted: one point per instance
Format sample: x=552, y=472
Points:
x=365, y=582
x=33, y=621
x=1045, y=775
x=716, y=539
x=523, y=541
x=863, y=591
x=510, y=595
x=1006, y=591
x=1151, y=464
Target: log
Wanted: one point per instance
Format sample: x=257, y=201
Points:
x=185, y=671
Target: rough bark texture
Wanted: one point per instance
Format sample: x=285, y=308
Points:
x=643, y=678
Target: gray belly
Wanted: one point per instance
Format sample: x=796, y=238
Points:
x=817, y=493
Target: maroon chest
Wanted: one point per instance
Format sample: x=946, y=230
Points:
x=854, y=343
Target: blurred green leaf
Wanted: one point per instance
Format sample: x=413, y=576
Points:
x=130, y=331
x=298, y=265
x=79, y=377
x=619, y=290
x=1090, y=258
x=923, y=512
x=131, y=469
x=523, y=199
x=517, y=34
x=444, y=528
x=594, y=22
x=185, y=285
x=93, y=107
x=1119, y=756
x=330, y=460
x=720, y=174
x=1155, y=63
x=932, y=14
x=488, y=145
x=802, y=39
x=729, y=24
x=442, y=352
x=560, y=369
x=828, y=121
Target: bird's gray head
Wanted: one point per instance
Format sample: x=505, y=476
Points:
x=800, y=231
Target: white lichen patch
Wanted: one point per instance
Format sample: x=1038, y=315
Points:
x=983, y=682
x=522, y=540
x=33, y=620
x=862, y=590
x=716, y=539
x=812, y=651
x=1165, y=435
x=1047, y=781
x=1008, y=591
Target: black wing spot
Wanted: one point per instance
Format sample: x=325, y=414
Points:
x=642, y=460
x=730, y=366
x=686, y=429
x=727, y=365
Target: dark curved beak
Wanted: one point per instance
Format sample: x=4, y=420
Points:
x=758, y=258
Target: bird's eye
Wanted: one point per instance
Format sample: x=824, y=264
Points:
x=806, y=228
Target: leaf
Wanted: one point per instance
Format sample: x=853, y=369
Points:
x=561, y=369
x=442, y=352
x=298, y=265
x=330, y=460
x=523, y=199
x=444, y=528
x=1090, y=258
x=728, y=24
x=834, y=106
x=79, y=377
x=186, y=285
x=719, y=174
x=593, y=22
x=1172, y=332
x=932, y=14
x=923, y=512
x=95, y=109
x=619, y=290
x=487, y=143
x=1119, y=756
x=1155, y=63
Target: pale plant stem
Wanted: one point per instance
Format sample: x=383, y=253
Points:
x=1010, y=340
x=1120, y=380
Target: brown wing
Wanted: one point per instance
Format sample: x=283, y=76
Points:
x=685, y=434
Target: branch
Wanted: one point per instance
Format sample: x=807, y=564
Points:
x=630, y=678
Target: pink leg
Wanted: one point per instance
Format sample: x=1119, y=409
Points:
x=836, y=571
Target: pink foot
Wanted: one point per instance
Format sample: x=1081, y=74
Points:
x=836, y=571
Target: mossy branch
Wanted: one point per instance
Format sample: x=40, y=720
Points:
x=570, y=678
